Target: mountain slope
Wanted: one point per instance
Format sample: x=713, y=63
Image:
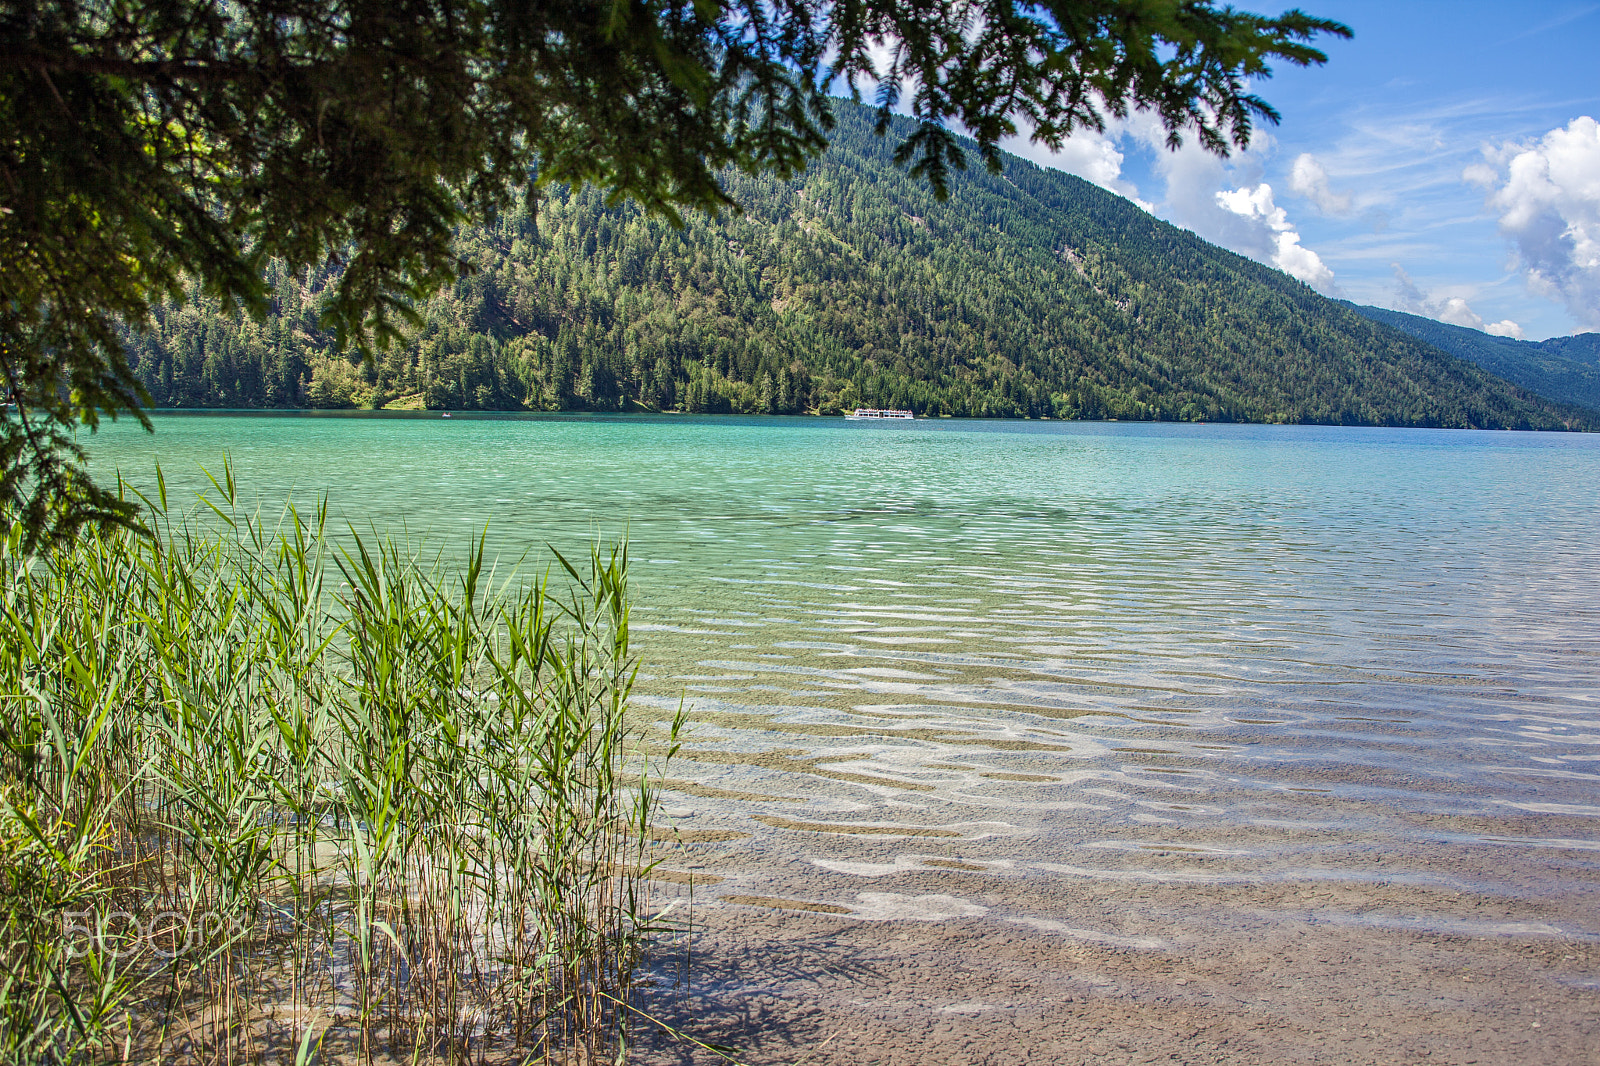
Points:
x=1027, y=293
x=1565, y=369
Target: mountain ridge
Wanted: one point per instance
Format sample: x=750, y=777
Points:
x=1027, y=293
x=1563, y=369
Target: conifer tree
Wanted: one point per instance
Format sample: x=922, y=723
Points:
x=152, y=151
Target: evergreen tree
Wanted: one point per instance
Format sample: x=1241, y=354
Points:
x=153, y=151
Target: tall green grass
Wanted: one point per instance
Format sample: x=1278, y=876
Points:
x=269, y=797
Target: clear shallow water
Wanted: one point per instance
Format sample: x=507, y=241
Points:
x=1039, y=657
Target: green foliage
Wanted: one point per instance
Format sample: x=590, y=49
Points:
x=1028, y=293
x=1563, y=369
x=156, y=150
x=242, y=813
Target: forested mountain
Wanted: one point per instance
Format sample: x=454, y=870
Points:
x=1565, y=369
x=1028, y=293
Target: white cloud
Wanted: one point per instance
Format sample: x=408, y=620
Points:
x=1226, y=202
x=1223, y=200
x=1275, y=235
x=1310, y=179
x=1095, y=158
x=1092, y=156
x=1455, y=311
x=1548, y=197
x=1452, y=309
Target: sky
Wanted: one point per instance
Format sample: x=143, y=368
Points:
x=1444, y=162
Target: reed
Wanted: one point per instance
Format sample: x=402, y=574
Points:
x=269, y=797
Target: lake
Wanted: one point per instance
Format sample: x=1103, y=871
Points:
x=1123, y=699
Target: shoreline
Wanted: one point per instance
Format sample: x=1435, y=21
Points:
x=436, y=414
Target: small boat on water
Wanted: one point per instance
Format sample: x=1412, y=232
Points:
x=876, y=413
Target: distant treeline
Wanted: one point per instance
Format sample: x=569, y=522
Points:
x=1030, y=293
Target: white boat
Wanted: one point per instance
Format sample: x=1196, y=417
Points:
x=875, y=413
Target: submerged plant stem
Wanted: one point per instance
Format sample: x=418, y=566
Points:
x=265, y=797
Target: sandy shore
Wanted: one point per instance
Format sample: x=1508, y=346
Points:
x=1286, y=973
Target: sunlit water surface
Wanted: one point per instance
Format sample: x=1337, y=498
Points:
x=1046, y=653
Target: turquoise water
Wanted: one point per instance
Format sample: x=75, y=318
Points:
x=1058, y=653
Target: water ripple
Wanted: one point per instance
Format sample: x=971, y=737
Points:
x=1214, y=655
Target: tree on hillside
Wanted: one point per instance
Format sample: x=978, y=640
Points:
x=152, y=150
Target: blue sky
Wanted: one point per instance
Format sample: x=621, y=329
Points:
x=1445, y=162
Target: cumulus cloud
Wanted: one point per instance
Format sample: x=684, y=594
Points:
x=1452, y=309
x=1547, y=195
x=1093, y=156
x=1275, y=235
x=1457, y=312
x=1223, y=200
x=1226, y=202
x=1309, y=179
